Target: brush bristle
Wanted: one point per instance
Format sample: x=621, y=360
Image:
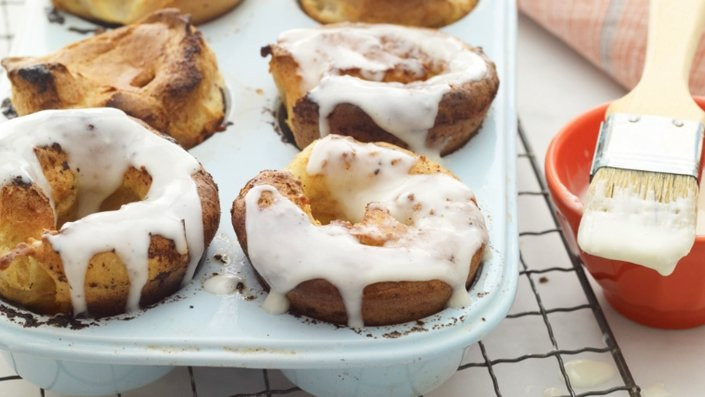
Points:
x=642, y=217
x=664, y=188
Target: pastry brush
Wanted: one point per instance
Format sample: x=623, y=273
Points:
x=641, y=203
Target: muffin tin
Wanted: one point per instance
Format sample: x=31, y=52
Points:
x=195, y=327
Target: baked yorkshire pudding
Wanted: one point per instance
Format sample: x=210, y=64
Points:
x=416, y=88
x=159, y=70
x=361, y=234
x=125, y=12
x=430, y=13
x=98, y=212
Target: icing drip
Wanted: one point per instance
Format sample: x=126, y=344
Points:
x=655, y=390
x=446, y=227
x=222, y=284
x=407, y=111
x=101, y=144
x=659, y=234
x=275, y=303
x=587, y=374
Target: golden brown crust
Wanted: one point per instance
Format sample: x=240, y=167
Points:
x=160, y=71
x=284, y=181
x=34, y=276
x=383, y=303
x=430, y=13
x=125, y=12
x=461, y=111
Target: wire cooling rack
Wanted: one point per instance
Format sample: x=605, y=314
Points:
x=527, y=355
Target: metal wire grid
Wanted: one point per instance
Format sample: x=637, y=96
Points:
x=8, y=8
x=490, y=364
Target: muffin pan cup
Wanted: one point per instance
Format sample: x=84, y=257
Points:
x=195, y=327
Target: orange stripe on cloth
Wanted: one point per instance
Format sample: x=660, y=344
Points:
x=609, y=33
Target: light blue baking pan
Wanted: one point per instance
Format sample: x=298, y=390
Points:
x=197, y=328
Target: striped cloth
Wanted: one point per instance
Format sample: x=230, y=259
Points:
x=609, y=33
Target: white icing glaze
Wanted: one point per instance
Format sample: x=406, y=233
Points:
x=588, y=374
x=642, y=231
x=406, y=111
x=448, y=227
x=102, y=144
x=222, y=284
x=275, y=303
x=553, y=392
x=655, y=390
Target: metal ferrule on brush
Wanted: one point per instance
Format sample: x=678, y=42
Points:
x=649, y=143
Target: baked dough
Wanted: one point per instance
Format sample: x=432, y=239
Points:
x=416, y=88
x=98, y=213
x=160, y=70
x=125, y=12
x=357, y=234
x=429, y=13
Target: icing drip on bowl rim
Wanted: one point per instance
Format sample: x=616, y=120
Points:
x=431, y=227
x=101, y=145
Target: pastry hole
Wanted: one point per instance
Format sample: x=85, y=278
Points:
x=66, y=194
x=134, y=187
x=420, y=67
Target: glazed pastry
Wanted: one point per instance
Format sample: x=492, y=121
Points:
x=125, y=12
x=430, y=13
x=355, y=233
x=417, y=88
x=160, y=70
x=98, y=213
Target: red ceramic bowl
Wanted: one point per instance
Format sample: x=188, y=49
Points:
x=639, y=293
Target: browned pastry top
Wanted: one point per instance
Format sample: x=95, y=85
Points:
x=430, y=13
x=159, y=70
x=125, y=12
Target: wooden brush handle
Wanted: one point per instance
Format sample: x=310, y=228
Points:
x=675, y=29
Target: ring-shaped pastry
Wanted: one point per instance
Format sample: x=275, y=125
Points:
x=361, y=234
x=98, y=212
x=417, y=88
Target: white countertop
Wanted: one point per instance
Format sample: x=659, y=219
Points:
x=554, y=85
